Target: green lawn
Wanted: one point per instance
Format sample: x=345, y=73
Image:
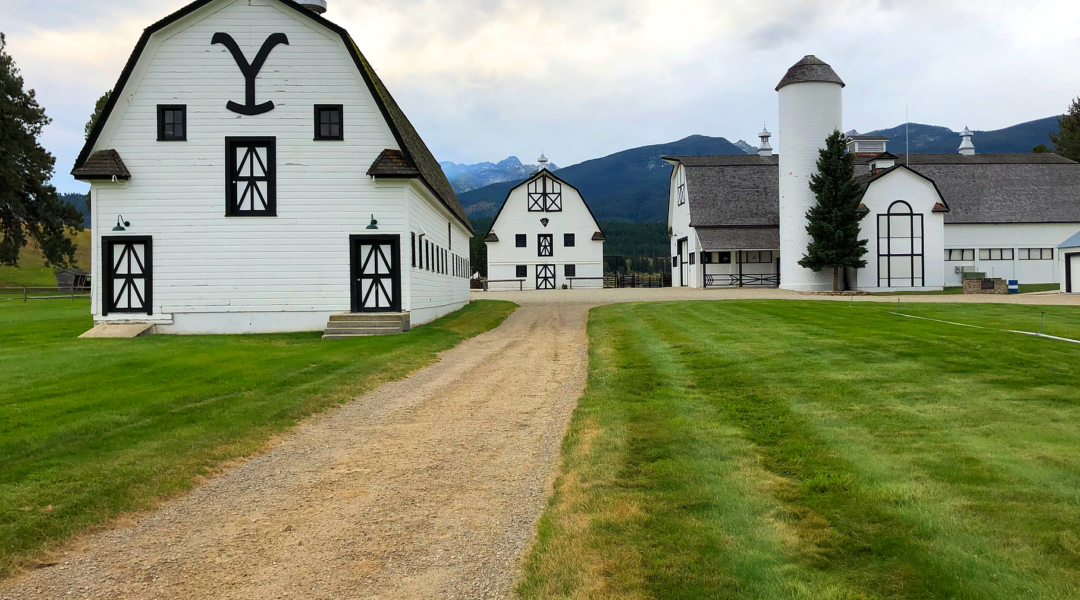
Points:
x=818, y=450
x=93, y=428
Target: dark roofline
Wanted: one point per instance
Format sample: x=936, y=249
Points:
x=354, y=51
x=867, y=181
x=869, y=138
x=560, y=180
x=810, y=69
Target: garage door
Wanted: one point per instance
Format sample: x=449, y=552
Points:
x=1072, y=273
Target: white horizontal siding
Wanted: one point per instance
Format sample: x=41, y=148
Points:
x=204, y=261
x=432, y=293
x=503, y=256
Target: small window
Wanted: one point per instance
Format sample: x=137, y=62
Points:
x=568, y=240
x=522, y=271
x=996, y=254
x=521, y=240
x=427, y=255
x=959, y=254
x=412, y=238
x=570, y=270
x=171, y=123
x=328, y=122
x=674, y=261
x=723, y=258
x=693, y=255
x=682, y=194
x=1036, y=254
x=251, y=177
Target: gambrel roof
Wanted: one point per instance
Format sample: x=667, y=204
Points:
x=598, y=236
x=732, y=190
x=413, y=149
x=744, y=190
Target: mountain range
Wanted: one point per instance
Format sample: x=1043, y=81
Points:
x=627, y=186
x=632, y=185
x=464, y=178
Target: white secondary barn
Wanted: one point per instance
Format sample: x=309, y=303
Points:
x=266, y=181
x=740, y=220
x=545, y=236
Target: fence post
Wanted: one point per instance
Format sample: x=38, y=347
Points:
x=24, y=294
x=73, y=292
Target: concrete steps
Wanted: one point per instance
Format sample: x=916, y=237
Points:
x=365, y=324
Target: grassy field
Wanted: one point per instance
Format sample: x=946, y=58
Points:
x=32, y=270
x=818, y=450
x=92, y=428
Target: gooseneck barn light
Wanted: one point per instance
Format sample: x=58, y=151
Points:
x=121, y=224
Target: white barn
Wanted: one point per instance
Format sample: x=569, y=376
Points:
x=251, y=173
x=740, y=220
x=545, y=236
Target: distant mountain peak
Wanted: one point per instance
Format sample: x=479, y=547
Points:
x=465, y=178
x=746, y=147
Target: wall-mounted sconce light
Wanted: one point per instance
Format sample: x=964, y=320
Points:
x=374, y=224
x=121, y=224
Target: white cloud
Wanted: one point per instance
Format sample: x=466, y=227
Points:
x=482, y=79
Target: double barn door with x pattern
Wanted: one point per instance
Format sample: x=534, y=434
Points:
x=127, y=263
x=376, y=273
x=545, y=277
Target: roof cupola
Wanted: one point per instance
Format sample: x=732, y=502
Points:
x=316, y=6
x=764, y=148
x=542, y=162
x=966, y=147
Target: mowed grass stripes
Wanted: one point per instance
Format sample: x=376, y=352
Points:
x=818, y=450
x=93, y=428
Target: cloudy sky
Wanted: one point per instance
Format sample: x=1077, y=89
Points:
x=484, y=79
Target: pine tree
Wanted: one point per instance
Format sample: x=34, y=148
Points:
x=1067, y=139
x=833, y=222
x=29, y=205
x=99, y=106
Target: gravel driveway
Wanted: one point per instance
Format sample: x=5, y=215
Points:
x=429, y=487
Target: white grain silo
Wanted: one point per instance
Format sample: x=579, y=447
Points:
x=811, y=108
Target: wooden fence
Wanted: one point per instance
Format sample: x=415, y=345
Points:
x=27, y=293
x=637, y=280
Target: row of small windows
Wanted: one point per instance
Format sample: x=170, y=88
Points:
x=431, y=257
x=172, y=122
x=724, y=258
x=958, y=254
x=544, y=240
x=522, y=271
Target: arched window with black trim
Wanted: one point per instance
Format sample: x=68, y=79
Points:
x=900, y=247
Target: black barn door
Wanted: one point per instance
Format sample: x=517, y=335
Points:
x=127, y=262
x=376, y=273
x=545, y=277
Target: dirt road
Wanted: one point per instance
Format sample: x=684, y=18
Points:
x=426, y=488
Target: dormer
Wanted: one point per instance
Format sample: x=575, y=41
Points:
x=885, y=160
x=867, y=145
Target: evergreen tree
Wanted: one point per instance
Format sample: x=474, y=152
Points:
x=833, y=222
x=1041, y=149
x=1067, y=139
x=29, y=205
x=98, y=107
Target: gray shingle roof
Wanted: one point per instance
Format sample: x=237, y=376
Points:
x=744, y=190
x=739, y=238
x=810, y=68
x=1073, y=242
x=103, y=164
x=740, y=190
x=392, y=163
x=1002, y=188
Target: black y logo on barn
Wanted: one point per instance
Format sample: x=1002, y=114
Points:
x=250, y=71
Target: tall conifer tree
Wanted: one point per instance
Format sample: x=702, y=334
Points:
x=29, y=206
x=833, y=222
x=1067, y=140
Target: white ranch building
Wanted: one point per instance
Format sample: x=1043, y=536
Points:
x=545, y=236
x=740, y=220
x=251, y=173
